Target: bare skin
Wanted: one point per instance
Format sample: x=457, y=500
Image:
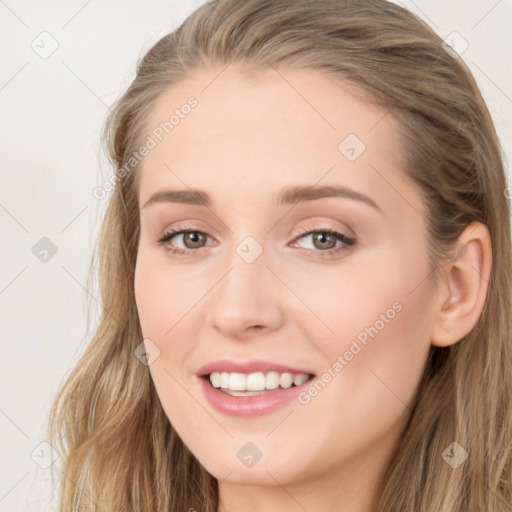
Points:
x=247, y=139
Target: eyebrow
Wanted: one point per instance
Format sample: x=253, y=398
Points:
x=288, y=196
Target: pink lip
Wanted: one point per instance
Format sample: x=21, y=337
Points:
x=247, y=367
x=250, y=406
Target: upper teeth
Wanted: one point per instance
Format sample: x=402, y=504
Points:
x=256, y=381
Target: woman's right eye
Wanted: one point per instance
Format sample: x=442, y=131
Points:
x=189, y=236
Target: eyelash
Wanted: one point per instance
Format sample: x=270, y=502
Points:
x=329, y=253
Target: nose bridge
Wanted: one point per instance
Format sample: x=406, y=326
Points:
x=247, y=294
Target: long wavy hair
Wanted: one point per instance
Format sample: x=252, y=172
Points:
x=118, y=450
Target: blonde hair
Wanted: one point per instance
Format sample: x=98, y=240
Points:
x=119, y=450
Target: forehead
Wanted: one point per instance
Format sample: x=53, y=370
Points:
x=266, y=129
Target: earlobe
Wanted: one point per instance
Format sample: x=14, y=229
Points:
x=464, y=286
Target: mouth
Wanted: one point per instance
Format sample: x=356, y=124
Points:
x=256, y=383
x=251, y=388
x=249, y=395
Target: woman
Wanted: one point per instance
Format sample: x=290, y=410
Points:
x=241, y=363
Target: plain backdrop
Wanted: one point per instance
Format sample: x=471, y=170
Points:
x=53, y=108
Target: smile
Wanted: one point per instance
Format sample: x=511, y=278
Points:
x=233, y=394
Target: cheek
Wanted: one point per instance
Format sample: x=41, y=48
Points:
x=162, y=297
x=380, y=322
x=358, y=299
x=161, y=302
x=167, y=302
x=379, y=354
x=373, y=367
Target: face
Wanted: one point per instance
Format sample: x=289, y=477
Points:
x=275, y=281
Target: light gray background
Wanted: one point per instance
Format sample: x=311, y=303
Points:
x=52, y=113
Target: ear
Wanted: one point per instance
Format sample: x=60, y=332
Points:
x=463, y=288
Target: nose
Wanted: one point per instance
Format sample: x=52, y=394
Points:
x=247, y=299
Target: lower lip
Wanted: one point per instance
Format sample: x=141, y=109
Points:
x=250, y=406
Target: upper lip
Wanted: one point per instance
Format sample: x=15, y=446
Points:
x=224, y=365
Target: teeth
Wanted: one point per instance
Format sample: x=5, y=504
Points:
x=286, y=380
x=300, y=379
x=237, y=382
x=257, y=381
x=272, y=380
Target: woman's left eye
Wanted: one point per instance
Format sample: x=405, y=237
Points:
x=328, y=237
x=325, y=238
